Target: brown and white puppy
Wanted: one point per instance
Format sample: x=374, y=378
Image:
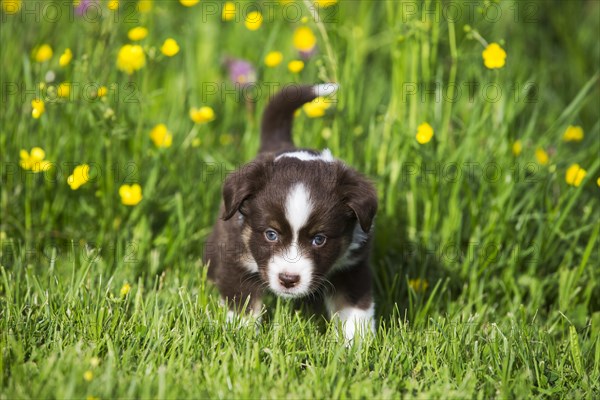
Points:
x=295, y=222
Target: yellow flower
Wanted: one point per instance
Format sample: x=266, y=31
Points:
x=161, y=136
x=418, y=284
x=189, y=3
x=517, y=147
x=131, y=58
x=79, y=177
x=64, y=90
x=144, y=6
x=575, y=175
x=170, y=47
x=11, y=7
x=38, y=108
x=202, y=114
x=273, y=59
x=254, y=20
x=424, y=133
x=573, y=134
x=325, y=3
x=494, y=56
x=316, y=108
x=228, y=12
x=102, y=91
x=88, y=376
x=130, y=195
x=304, y=39
x=137, y=33
x=598, y=181
x=296, y=66
x=43, y=53
x=65, y=58
x=113, y=5
x=125, y=289
x=34, y=161
x=541, y=156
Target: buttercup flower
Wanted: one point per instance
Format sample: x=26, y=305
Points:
x=38, y=108
x=573, y=134
x=125, y=289
x=494, y=56
x=102, y=90
x=228, y=12
x=88, y=376
x=79, y=177
x=34, y=161
x=296, y=66
x=113, y=5
x=131, y=58
x=254, y=20
x=541, y=156
x=316, y=108
x=575, y=175
x=161, y=136
x=517, y=147
x=202, y=114
x=189, y=3
x=418, y=285
x=65, y=58
x=170, y=47
x=11, y=7
x=144, y=6
x=241, y=72
x=43, y=53
x=424, y=133
x=273, y=59
x=325, y=3
x=304, y=39
x=598, y=181
x=64, y=90
x=131, y=195
x=137, y=33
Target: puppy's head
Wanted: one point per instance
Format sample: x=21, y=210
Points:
x=301, y=217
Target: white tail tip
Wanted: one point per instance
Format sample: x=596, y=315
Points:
x=325, y=89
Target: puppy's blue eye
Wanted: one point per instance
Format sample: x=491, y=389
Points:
x=318, y=240
x=271, y=235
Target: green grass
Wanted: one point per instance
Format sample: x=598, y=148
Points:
x=509, y=250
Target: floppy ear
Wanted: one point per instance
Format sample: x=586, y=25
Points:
x=241, y=185
x=360, y=195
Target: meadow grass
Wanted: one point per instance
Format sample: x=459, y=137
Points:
x=485, y=260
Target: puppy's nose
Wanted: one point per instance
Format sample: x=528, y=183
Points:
x=289, y=280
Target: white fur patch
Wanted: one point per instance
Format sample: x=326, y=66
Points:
x=355, y=321
x=298, y=208
x=325, y=89
x=301, y=155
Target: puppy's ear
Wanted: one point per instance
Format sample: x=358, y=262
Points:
x=360, y=195
x=241, y=185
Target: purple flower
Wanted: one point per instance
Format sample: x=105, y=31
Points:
x=307, y=55
x=82, y=7
x=241, y=72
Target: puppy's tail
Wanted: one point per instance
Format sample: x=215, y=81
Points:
x=276, y=127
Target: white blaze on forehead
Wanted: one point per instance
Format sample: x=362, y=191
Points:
x=298, y=207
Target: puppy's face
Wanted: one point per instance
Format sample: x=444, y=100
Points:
x=300, y=218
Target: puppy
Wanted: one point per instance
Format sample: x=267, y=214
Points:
x=295, y=222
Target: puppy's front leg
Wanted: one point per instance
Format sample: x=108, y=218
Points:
x=352, y=302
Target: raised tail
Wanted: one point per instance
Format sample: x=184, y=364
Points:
x=278, y=117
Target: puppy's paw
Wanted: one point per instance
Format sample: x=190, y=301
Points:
x=356, y=322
